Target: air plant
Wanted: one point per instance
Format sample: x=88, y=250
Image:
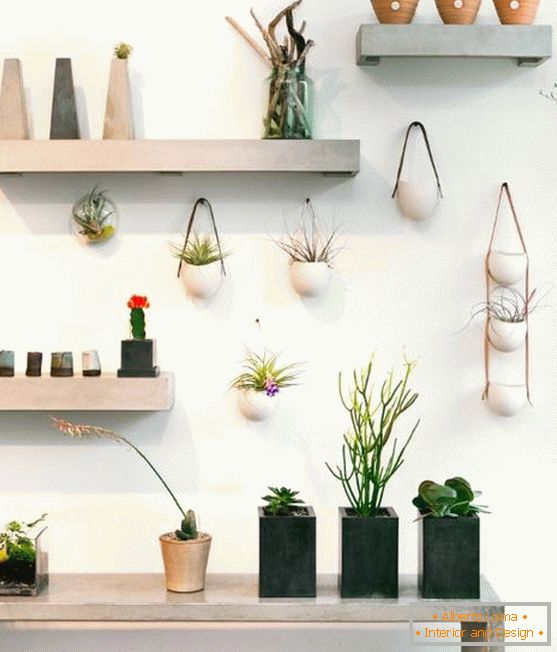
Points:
x=200, y=250
x=451, y=499
x=507, y=305
x=92, y=214
x=262, y=373
x=281, y=501
x=188, y=526
x=122, y=50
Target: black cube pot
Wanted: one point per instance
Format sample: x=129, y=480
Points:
x=368, y=554
x=138, y=359
x=449, y=557
x=287, y=555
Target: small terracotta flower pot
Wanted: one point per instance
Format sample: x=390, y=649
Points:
x=516, y=12
x=394, y=11
x=185, y=562
x=458, y=12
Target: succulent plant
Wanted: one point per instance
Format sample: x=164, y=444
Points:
x=452, y=499
x=122, y=50
x=281, y=501
x=188, y=527
x=92, y=214
x=15, y=543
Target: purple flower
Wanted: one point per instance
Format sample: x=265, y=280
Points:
x=271, y=388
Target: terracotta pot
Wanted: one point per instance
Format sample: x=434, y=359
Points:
x=394, y=11
x=516, y=12
x=310, y=279
x=185, y=562
x=458, y=12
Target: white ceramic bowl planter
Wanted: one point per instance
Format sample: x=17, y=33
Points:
x=256, y=406
x=202, y=281
x=310, y=279
x=507, y=400
x=507, y=268
x=506, y=336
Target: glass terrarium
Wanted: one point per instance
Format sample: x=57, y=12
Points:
x=94, y=217
x=289, y=104
x=23, y=559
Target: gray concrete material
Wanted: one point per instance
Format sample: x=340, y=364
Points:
x=63, y=122
x=527, y=44
x=13, y=108
x=227, y=598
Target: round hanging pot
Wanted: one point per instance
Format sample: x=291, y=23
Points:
x=458, y=12
x=185, y=562
x=256, y=406
x=516, y=12
x=417, y=201
x=507, y=400
x=507, y=268
x=506, y=336
x=394, y=11
x=310, y=279
x=202, y=281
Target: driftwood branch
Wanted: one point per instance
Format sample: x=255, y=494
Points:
x=249, y=39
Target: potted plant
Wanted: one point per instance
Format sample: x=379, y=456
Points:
x=118, y=123
x=394, y=11
x=94, y=217
x=458, y=12
x=286, y=546
x=448, y=540
x=507, y=268
x=516, y=12
x=260, y=383
x=138, y=354
x=311, y=252
x=202, y=265
x=369, y=530
x=185, y=551
x=23, y=558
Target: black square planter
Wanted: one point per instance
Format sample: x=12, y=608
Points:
x=368, y=554
x=449, y=557
x=287, y=555
x=138, y=359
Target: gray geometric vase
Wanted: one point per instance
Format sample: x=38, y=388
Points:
x=63, y=123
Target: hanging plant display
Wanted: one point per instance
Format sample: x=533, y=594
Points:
x=94, y=217
x=417, y=201
x=201, y=257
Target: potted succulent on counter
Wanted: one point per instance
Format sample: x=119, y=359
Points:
x=185, y=551
x=138, y=354
x=286, y=546
x=448, y=539
x=23, y=558
x=260, y=383
x=94, y=217
x=368, y=530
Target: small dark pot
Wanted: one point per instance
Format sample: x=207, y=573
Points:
x=449, y=557
x=138, y=359
x=34, y=363
x=7, y=360
x=287, y=555
x=61, y=364
x=368, y=554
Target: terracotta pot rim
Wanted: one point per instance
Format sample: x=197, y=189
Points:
x=204, y=538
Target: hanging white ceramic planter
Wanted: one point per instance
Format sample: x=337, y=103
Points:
x=256, y=406
x=507, y=400
x=506, y=336
x=507, y=268
x=202, y=281
x=310, y=279
x=417, y=201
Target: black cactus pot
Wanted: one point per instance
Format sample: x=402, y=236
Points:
x=449, y=557
x=138, y=359
x=287, y=554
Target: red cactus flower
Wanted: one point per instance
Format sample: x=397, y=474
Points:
x=137, y=301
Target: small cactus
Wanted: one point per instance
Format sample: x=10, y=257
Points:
x=137, y=305
x=188, y=528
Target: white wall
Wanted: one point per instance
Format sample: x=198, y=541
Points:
x=398, y=288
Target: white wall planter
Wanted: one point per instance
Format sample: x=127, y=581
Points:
x=507, y=400
x=310, y=279
x=256, y=406
x=416, y=201
x=507, y=268
x=202, y=281
x=507, y=336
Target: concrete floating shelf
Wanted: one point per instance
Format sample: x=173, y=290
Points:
x=335, y=157
x=227, y=598
x=106, y=392
x=529, y=45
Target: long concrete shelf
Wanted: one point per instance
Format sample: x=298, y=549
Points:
x=106, y=392
x=338, y=157
x=529, y=45
x=227, y=598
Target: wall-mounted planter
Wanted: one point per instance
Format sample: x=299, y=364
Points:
x=506, y=336
x=458, y=12
x=185, y=562
x=516, y=12
x=310, y=279
x=507, y=268
x=394, y=11
x=202, y=281
x=256, y=406
x=449, y=557
x=287, y=557
x=368, y=555
x=506, y=400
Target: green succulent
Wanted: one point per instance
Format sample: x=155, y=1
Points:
x=15, y=543
x=122, y=50
x=451, y=499
x=199, y=250
x=188, y=527
x=281, y=501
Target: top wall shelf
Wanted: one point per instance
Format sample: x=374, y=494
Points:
x=335, y=157
x=530, y=45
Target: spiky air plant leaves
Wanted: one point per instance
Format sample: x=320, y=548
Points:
x=508, y=305
x=262, y=373
x=122, y=50
x=200, y=250
x=92, y=214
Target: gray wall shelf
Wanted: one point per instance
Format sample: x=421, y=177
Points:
x=529, y=45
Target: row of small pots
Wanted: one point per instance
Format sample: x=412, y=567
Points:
x=458, y=12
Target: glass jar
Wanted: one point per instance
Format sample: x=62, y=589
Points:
x=289, y=104
x=94, y=217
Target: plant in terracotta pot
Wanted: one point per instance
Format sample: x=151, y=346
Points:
x=458, y=12
x=311, y=251
x=370, y=459
x=202, y=265
x=185, y=551
x=394, y=11
x=516, y=12
x=286, y=546
x=94, y=217
x=260, y=383
x=449, y=539
x=138, y=354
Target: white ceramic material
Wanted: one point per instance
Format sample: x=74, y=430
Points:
x=90, y=362
x=506, y=400
x=417, y=201
x=507, y=268
x=310, y=279
x=202, y=281
x=256, y=406
x=506, y=336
